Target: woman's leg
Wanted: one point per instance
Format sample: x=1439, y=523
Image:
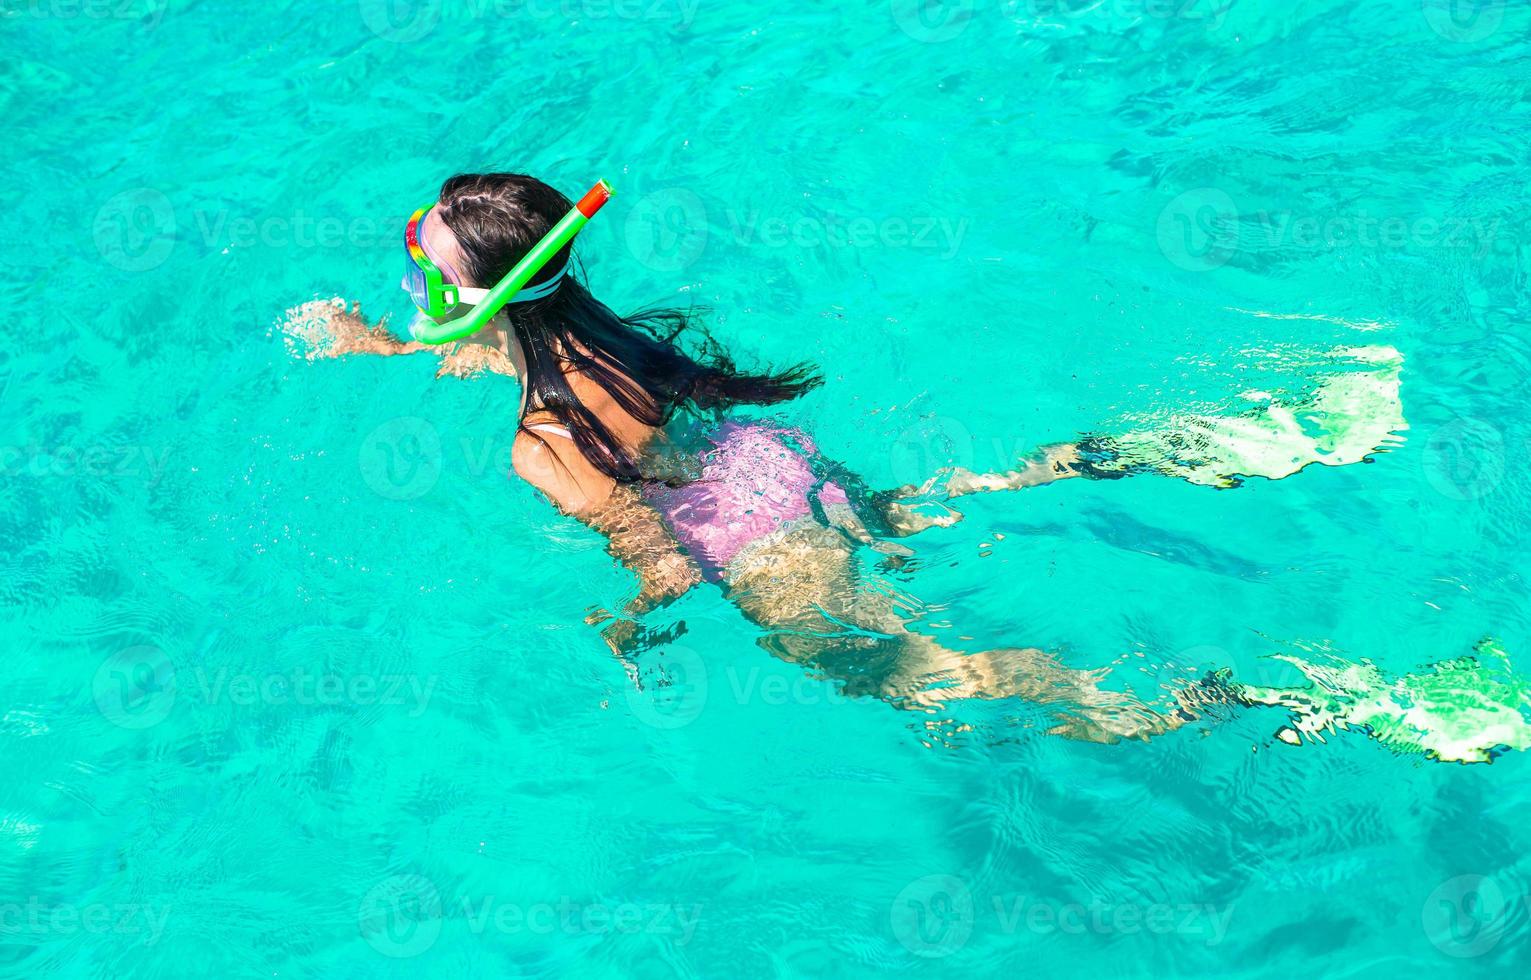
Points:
x=803, y=587
x=911, y=509
x=1352, y=411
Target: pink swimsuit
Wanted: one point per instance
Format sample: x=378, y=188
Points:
x=754, y=482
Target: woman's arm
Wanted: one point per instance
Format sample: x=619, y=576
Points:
x=638, y=536
x=327, y=328
x=641, y=541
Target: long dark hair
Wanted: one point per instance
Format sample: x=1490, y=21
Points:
x=636, y=359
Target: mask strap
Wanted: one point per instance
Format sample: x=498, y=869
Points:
x=472, y=295
x=543, y=289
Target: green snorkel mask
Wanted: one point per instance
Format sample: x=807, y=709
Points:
x=435, y=295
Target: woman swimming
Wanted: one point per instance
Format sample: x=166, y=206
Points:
x=622, y=428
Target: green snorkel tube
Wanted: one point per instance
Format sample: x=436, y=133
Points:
x=429, y=332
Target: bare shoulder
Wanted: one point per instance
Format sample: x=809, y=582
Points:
x=553, y=464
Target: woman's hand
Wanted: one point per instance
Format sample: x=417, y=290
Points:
x=628, y=637
x=470, y=359
x=328, y=328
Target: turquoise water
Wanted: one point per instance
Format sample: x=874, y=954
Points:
x=299, y=683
